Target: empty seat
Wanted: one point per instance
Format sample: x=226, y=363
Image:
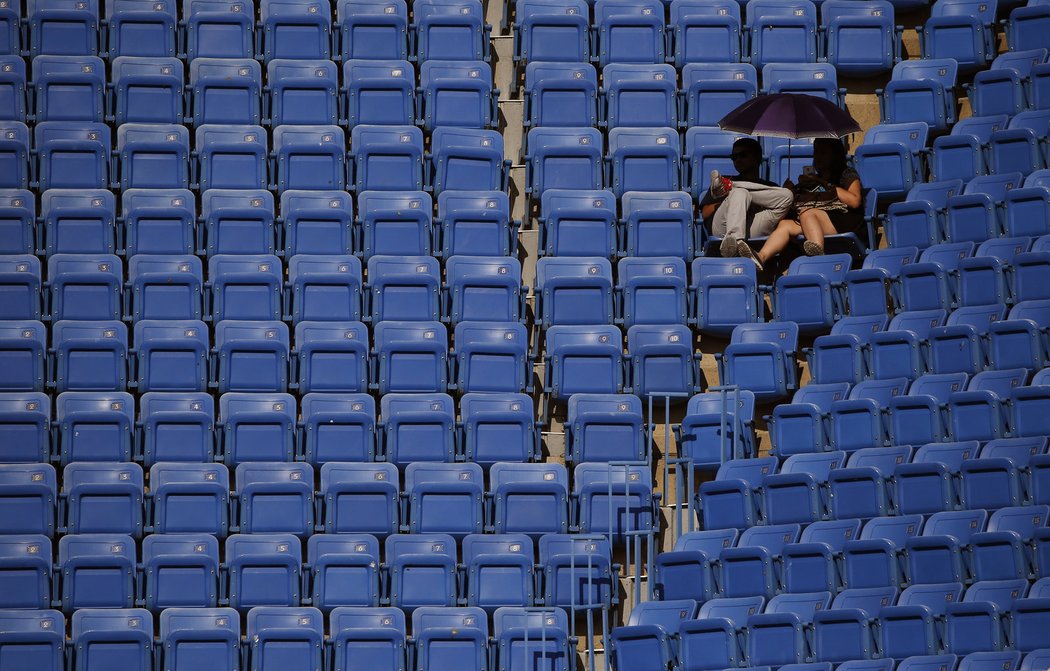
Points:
x=231, y=157
x=732, y=499
x=444, y=498
x=999, y=552
x=23, y=349
x=917, y=418
x=159, y=222
x=10, y=30
x=1015, y=342
x=386, y=158
x=782, y=33
x=26, y=572
x=85, y=286
x=450, y=635
x=844, y=632
x=411, y=356
x=374, y=637
x=207, y=639
x=662, y=360
x=103, y=498
x=578, y=223
x=702, y=436
x=189, y=498
x=959, y=29
x=360, y=498
x=794, y=494
x=1017, y=148
x=170, y=356
x=497, y=428
x=25, y=426
x=563, y=158
x=153, y=156
x=653, y=291
x=165, y=287
x=888, y=160
x=422, y=570
x=89, y=356
x=225, y=91
x=712, y=89
x=936, y=555
x=404, y=288
x=860, y=41
x=325, y=288
x=372, y=31
x=147, y=90
x=840, y=356
x=971, y=216
x=69, y=88
x=98, y=571
x=251, y=356
x=686, y=572
x=275, y=498
x=134, y=31
x=455, y=31
x=726, y=294
x=629, y=33
x=484, y=289
x=181, y=570
x=309, y=157
x=810, y=294
x=28, y=493
x=396, y=223
x=456, y=93
x=338, y=427
x=475, y=224
x=529, y=498
x=816, y=79
x=872, y=560
x=56, y=28
x=218, y=29
x=961, y=154
x=295, y=30
x=747, y=569
x=705, y=32
x=70, y=155
x=809, y=565
x=999, y=90
x=245, y=287
x=576, y=570
x=658, y=224
x=638, y=95
x=491, y=357
x=643, y=159
x=344, y=570
x=78, y=222
x=177, y=427
x=264, y=570
x=378, y=92
x=417, y=427
x=572, y=291
x=603, y=427
x=467, y=159
x=256, y=427
x=285, y=636
x=614, y=500
x=17, y=219
x=583, y=359
x=14, y=155
x=317, y=222
x=103, y=638
x=1028, y=624
x=761, y=359
x=331, y=356
x=801, y=426
x=647, y=637
x=525, y=633
x=560, y=94
x=922, y=90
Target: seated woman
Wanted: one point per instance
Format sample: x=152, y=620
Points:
x=827, y=201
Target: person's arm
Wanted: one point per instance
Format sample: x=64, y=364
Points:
x=708, y=210
x=851, y=197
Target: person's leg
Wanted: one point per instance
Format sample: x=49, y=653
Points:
x=735, y=208
x=769, y=204
x=815, y=225
x=778, y=240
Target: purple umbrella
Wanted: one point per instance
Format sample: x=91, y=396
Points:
x=790, y=115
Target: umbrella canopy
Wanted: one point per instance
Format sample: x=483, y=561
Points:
x=790, y=115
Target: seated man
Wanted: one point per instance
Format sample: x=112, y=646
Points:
x=745, y=205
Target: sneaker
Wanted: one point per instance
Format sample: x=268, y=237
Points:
x=728, y=248
x=744, y=250
x=812, y=248
x=720, y=186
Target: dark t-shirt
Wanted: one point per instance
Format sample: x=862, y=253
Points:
x=708, y=198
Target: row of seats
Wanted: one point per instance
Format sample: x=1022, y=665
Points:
x=210, y=639
x=229, y=29
x=74, y=155
x=341, y=570
x=232, y=91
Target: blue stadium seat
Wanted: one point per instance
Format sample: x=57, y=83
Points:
x=643, y=159
x=70, y=155
x=857, y=422
x=844, y=632
x=1018, y=341
x=709, y=642
x=103, y=638
x=85, y=286
x=159, y=222
x=648, y=636
x=1018, y=148
x=308, y=157
x=1034, y=659
x=225, y=91
x=443, y=498
x=747, y=569
x=706, y=149
x=498, y=571
x=576, y=570
x=218, y=29
x=374, y=637
x=573, y=291
x=410, y=357
x=417, y=427
x=1028, y=622
x=251, y=356
x=560, y=94
x=344, y=570
x=497, y=428
x=658, y=224
x=28, y=493
x=445, y=636
x=165, y=286
x=816, y=79
x=926, y=485
x=386, y=158
x=263, y=570
x=1025, y=25
x=404, y=288
x=929, y=284
x=467, y=159
x=285, y=637
x=552, y=32
x=331, y=357
x=23, y=350
x=395, y=223
x=841, y=356
x=26, y=573
x=583, y=359
x=702, y=436
x=578, y=223
x=860, y=40
x=529, y=499
x=921, y=90
x=1001, y=593
x=959, y=345
x=450, y=31
x=245, y=287
x=181, y=570
x=713, y=89
x=936, y=555
x=14, y=155
x=959, y=29
x=10, y=30
x=98, y=571
x=908, y=629
x=811, y=564
x=917, y=418
x=132, y=30
x=872, y=561
x=795, y=494
x=775, y=638
x=325, y=288
x=640, y=95
x=491, y=357
x=275, y=498
x=207, y=639
x=663, y=359
x=961, y=153
x=454, y=93
x=176, y=427
x=705, y=32
x=378, y=92
x=69, y=88
x=89, y=356
x=523, y=634
x=604, y=427
x=475, y=224
x=761, y=359
x=781, y=32
x=725, y=294
x=338, y=427
x=731, y=500
x=422, y=570
x=17, y=220
x=56, y=28
x=373, y=31
x=317, y=222
x=801, y=426
x=231, y=157
x=811, y=293
x=1026, y=211
x=1028, y=406
x=170, y=356
x=629, y=32
x=78, y=222
x=25, y=427
x=564, y=158
x=1001, y=89
x=256, y=427
x=888, y=161
x=295, y=30
x=103, y=498
x=360, y=498
x=190, y=498
x=483, y=289
x=1001, y=552
x=147, y=90
x=686, y=572
x=652, y=290
x=301, y=93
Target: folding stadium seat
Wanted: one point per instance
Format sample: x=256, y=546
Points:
x=810, y=294
x=662, y=360
x=816, y=79
x=467, y=159
x=795, y=493
x=153, y=156
x=301, y=92
x=840, y=356
x=976, y=414
x=1034, y=659
x=457, y=93
x=103, y=498
x=373, y=637
x=653, y=291
x=446, y=636
x=475, y=224
x=89, y=356
x=844, y=631
x=70, y=155
x=147, y=90
x=491, y=357
x=1017, y=342
x=170, y=356
x=189, y=498
x=908, y=629
x=14, y=155
x=916, y=418
x=56, y=28
x=926, y=485
x=256, y=427
x=1024, y=29
x=775, y=638
x=245, y=287
x=309, y=157
x=238, y=222
x=959, y=29
x=25, y=427
x=921, y=90
x=732, y=499
x=629, y=33
x=811, y=564
x=344, y=570
x=726, y=294
x=372, y=31
x=560, y=94
x=888, y=161
x=386, y=158
x=782, y=33
x=643, y=159
x=132, y=30
x=231, y=157
x=872, y=561
x=604, y=427
x=106, y=638
x=26, y=573
x=801, y=426
x=338, y=427
x=331, y=357
x=936, y=555
x=275, y=498
x=379, y=92
x=958, y=346
x=422, y=570
x=578, y=223
x=640, y=95
x=1001, y=89
x=251, y=356
x=176, y=427
x=225, y=91
x=159, y=222
x=648, y=637
x=583, y=359
x=972, y=215
x=396, y=223
x=69, y=88
x=165, y=287
x=295, y=30
x=23, y=352
x=417, y=427
x=207, y=639
x=484, y=289
x=982, y=280
x=497, y=428
x=686, y=572
x=85, y=286
x=410, y=357
x=443, y=498
x=360, y=498
x=1028, y=624
x=576, y=570
x=28, y=493
x=17, y=220
x=563, y=158
x=961, y=153
x=705, y=32
x=761, y=359
x=747, y=569
x=701, y=433
x=317, y=222
x=98, y=571
x=981, y=661
x=454, y=31
x=1018, y=148
x=218, y=29
x=11, y=30
x=78, y=222
x=529, y=498
x=929, y=284
x=1026, y=212
x=285, y=637
x=404, y=288
x=1001, y=593
x=1028, y=407
x=263, y=570
x=523, y=634
x=550, y=32
x=180, y=570
x=1001, y=552
x=860, y=40
x=573, y=291
x=713, y=89
x=857, y=422
x=658, y=224
x=709, y=642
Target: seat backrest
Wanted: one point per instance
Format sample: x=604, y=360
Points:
x=999, y=382
x=936, y=193
x=943, y=70
x=736, y=610
x=1037, y=310
x=885, y=459
x=977, y=316
x=710, y=542
x=751, y=471
x=912, y=134
x=833, y=533
x=711, y=403
x=832, y=266
x=895, y=529
x=664, y=614
x=935, y=597
x=862, y=327
x=817, y=465
x=918, y=322
x=994, y=186
x=961, y=524
x=868, y=599
x=772, y=537
x=802, y=605
x=1021, y=520
x=1018, y=450
x=880, y=391
x=891, y=259
x=781, y=334
x=938, y=386
x=950, y=454
x=981, y=127
x=822, y=395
